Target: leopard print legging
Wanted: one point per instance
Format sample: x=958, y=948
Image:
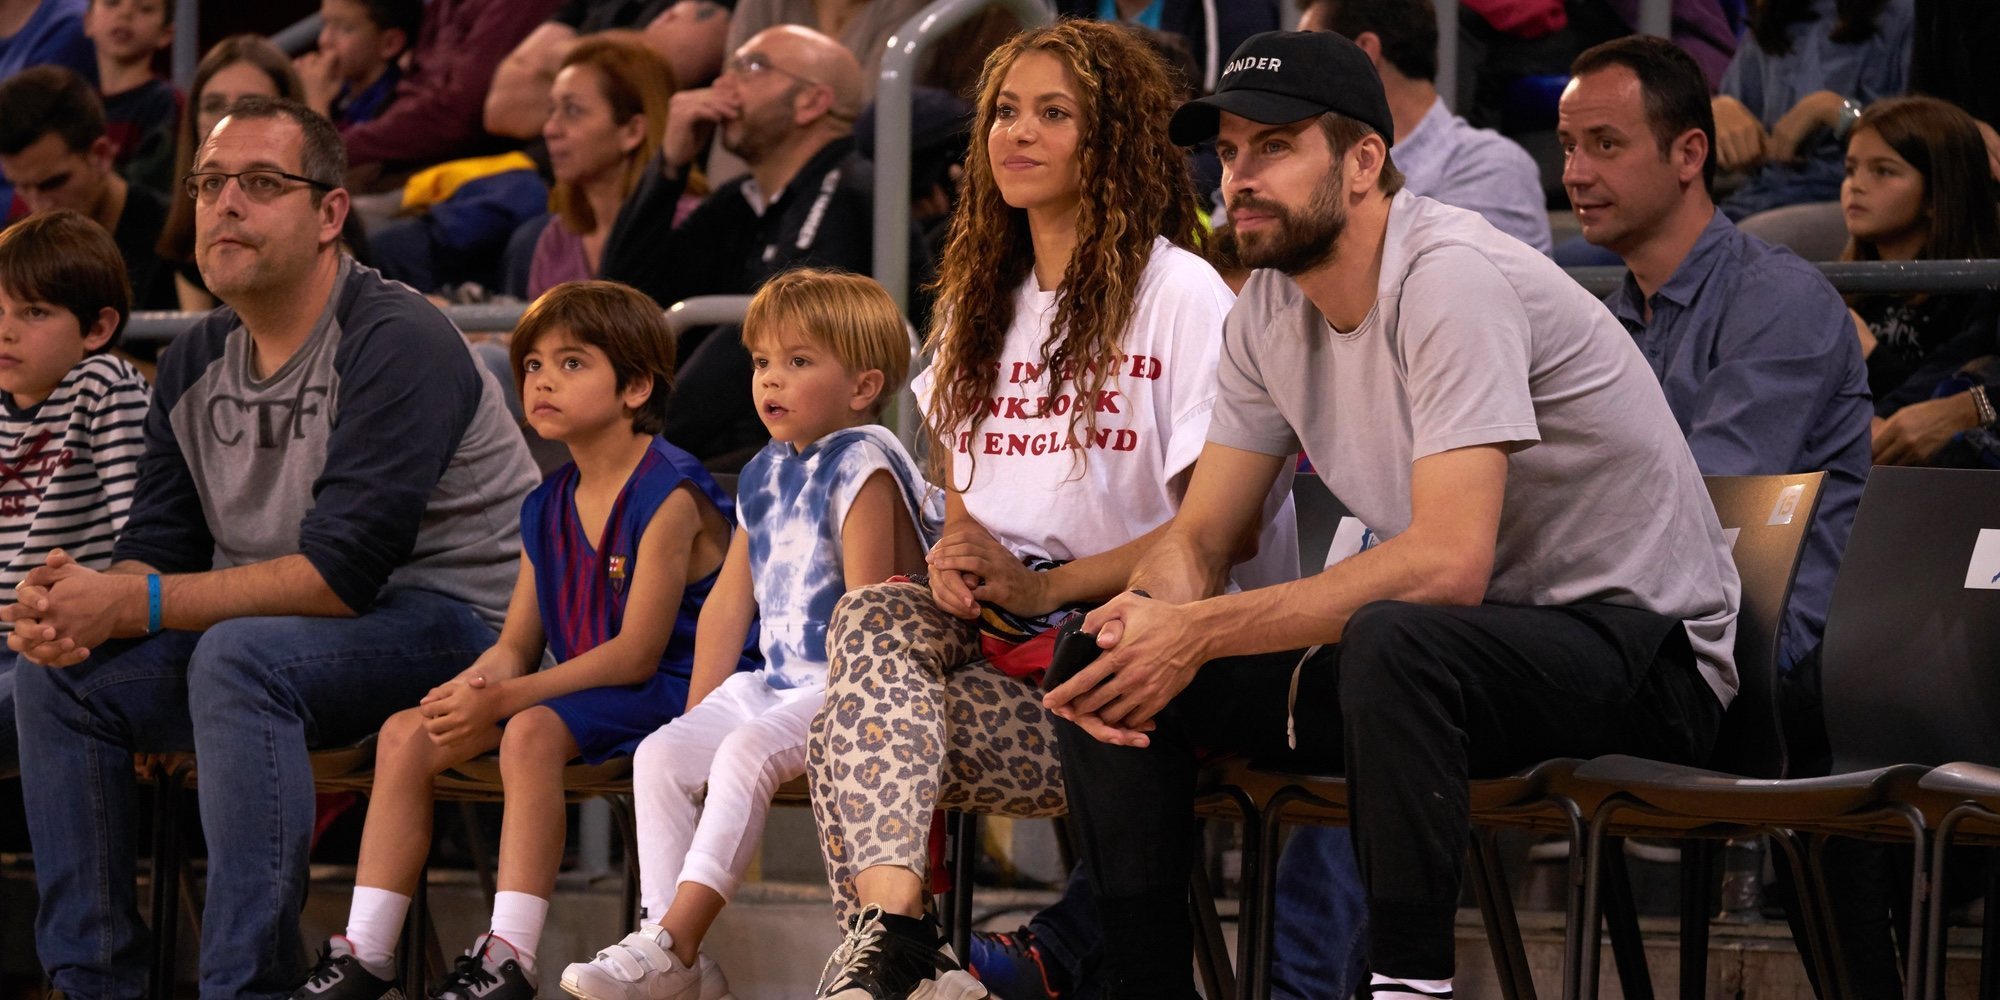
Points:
x=915, y=721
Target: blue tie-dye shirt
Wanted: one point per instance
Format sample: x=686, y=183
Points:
x=793, y=506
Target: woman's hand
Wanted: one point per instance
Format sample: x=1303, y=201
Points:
x=993, y=574
x=1817, y=110
x=1739, y=137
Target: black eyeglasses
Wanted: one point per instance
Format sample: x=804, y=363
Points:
x=756, y=64
x=259, y=185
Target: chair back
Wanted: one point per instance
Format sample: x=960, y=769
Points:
x=1767, y=520
x=1910, y=667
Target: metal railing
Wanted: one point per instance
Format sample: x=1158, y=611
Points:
x=1857, y=277
x=1865, y=277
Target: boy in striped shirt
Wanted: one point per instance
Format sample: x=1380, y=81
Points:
x=71, y=413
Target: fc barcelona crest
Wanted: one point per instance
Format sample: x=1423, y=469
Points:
x=616, y=572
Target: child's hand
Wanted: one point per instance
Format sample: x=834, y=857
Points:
x=457, y=709
x=320, y=73
x=990, y=572
x=952, y=591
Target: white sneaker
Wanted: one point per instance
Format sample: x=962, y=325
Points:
x=644, y=967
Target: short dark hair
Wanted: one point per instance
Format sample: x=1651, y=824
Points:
x=166, y=8
x=1343, y=132
x=1408, y=30
x=322, y=156
x=404, y=15
x=36, y=102
x=68, y=261
x=616, y=319
x=1671, y=85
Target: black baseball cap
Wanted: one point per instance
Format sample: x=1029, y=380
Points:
x=1286, y=76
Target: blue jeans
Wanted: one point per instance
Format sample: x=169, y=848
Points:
x=249, y=696
x=1319, y=948
x=10, y=747
x=1320, y=945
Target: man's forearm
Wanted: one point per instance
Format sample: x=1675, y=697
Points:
x=1178, y=569
x=289, y=585
x=1316, y=609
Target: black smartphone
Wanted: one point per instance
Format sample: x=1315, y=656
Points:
x=1075, y=649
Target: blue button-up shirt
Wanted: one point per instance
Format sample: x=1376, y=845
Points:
x=1763, y=371
x=1476, y=169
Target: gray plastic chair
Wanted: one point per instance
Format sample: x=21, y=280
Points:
x=1906, y=667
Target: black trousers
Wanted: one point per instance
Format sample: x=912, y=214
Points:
x=1411, y=704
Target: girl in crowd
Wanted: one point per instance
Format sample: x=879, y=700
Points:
x=1803, y=71
x=1078, y=338
x=620, y=549
x=1917, y=188
x=832, y=503
x=238, y=66
x=607, y=110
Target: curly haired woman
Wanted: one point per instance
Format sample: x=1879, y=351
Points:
x=1076, y=348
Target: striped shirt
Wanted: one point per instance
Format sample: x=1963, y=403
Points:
x=67, y=467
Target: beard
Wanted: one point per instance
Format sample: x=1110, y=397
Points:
x=757, y=131
x=1299, y=241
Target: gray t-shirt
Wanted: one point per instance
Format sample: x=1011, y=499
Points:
x=381, y=451
x=1475, y=339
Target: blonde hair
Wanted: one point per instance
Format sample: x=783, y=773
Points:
x=850, y=315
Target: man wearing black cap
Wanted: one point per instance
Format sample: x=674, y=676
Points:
x=1550, y=580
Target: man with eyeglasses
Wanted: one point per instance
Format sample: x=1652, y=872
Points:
x=322, y=530
x=56, y=154
x=786, y=104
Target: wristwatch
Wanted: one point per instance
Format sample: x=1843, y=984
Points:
x=1850, y=112
x=1982, y=404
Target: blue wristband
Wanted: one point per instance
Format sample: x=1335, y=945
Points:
x=152, y=603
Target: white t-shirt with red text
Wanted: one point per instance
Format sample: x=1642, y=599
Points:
x=1047, y=489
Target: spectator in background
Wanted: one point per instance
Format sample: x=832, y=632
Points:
x=608, y=110
x=865, y=27
x=352, y=76
x=40, y=32
x=54, y=151
x=786, y=105
x=140, y=108
x=1917, y=188
x=1751, y=344
x=688, y=34
x=34, y=33
x=1441, y=155
x=1213, y=28
x=435, y=114
x=238, y=66
x=1799, y=79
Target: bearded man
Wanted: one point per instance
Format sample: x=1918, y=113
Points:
x=1550, y=579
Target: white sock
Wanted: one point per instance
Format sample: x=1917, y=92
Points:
x=1381, y=987
x=374, y=921
x=517, y=920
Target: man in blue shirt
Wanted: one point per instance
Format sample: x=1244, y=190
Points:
x=1754, y=348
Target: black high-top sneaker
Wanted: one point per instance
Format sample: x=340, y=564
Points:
x=891, y=957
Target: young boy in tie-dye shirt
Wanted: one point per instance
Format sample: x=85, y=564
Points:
x=833, y=502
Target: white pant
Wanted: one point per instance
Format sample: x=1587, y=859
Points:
x=743, y=741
